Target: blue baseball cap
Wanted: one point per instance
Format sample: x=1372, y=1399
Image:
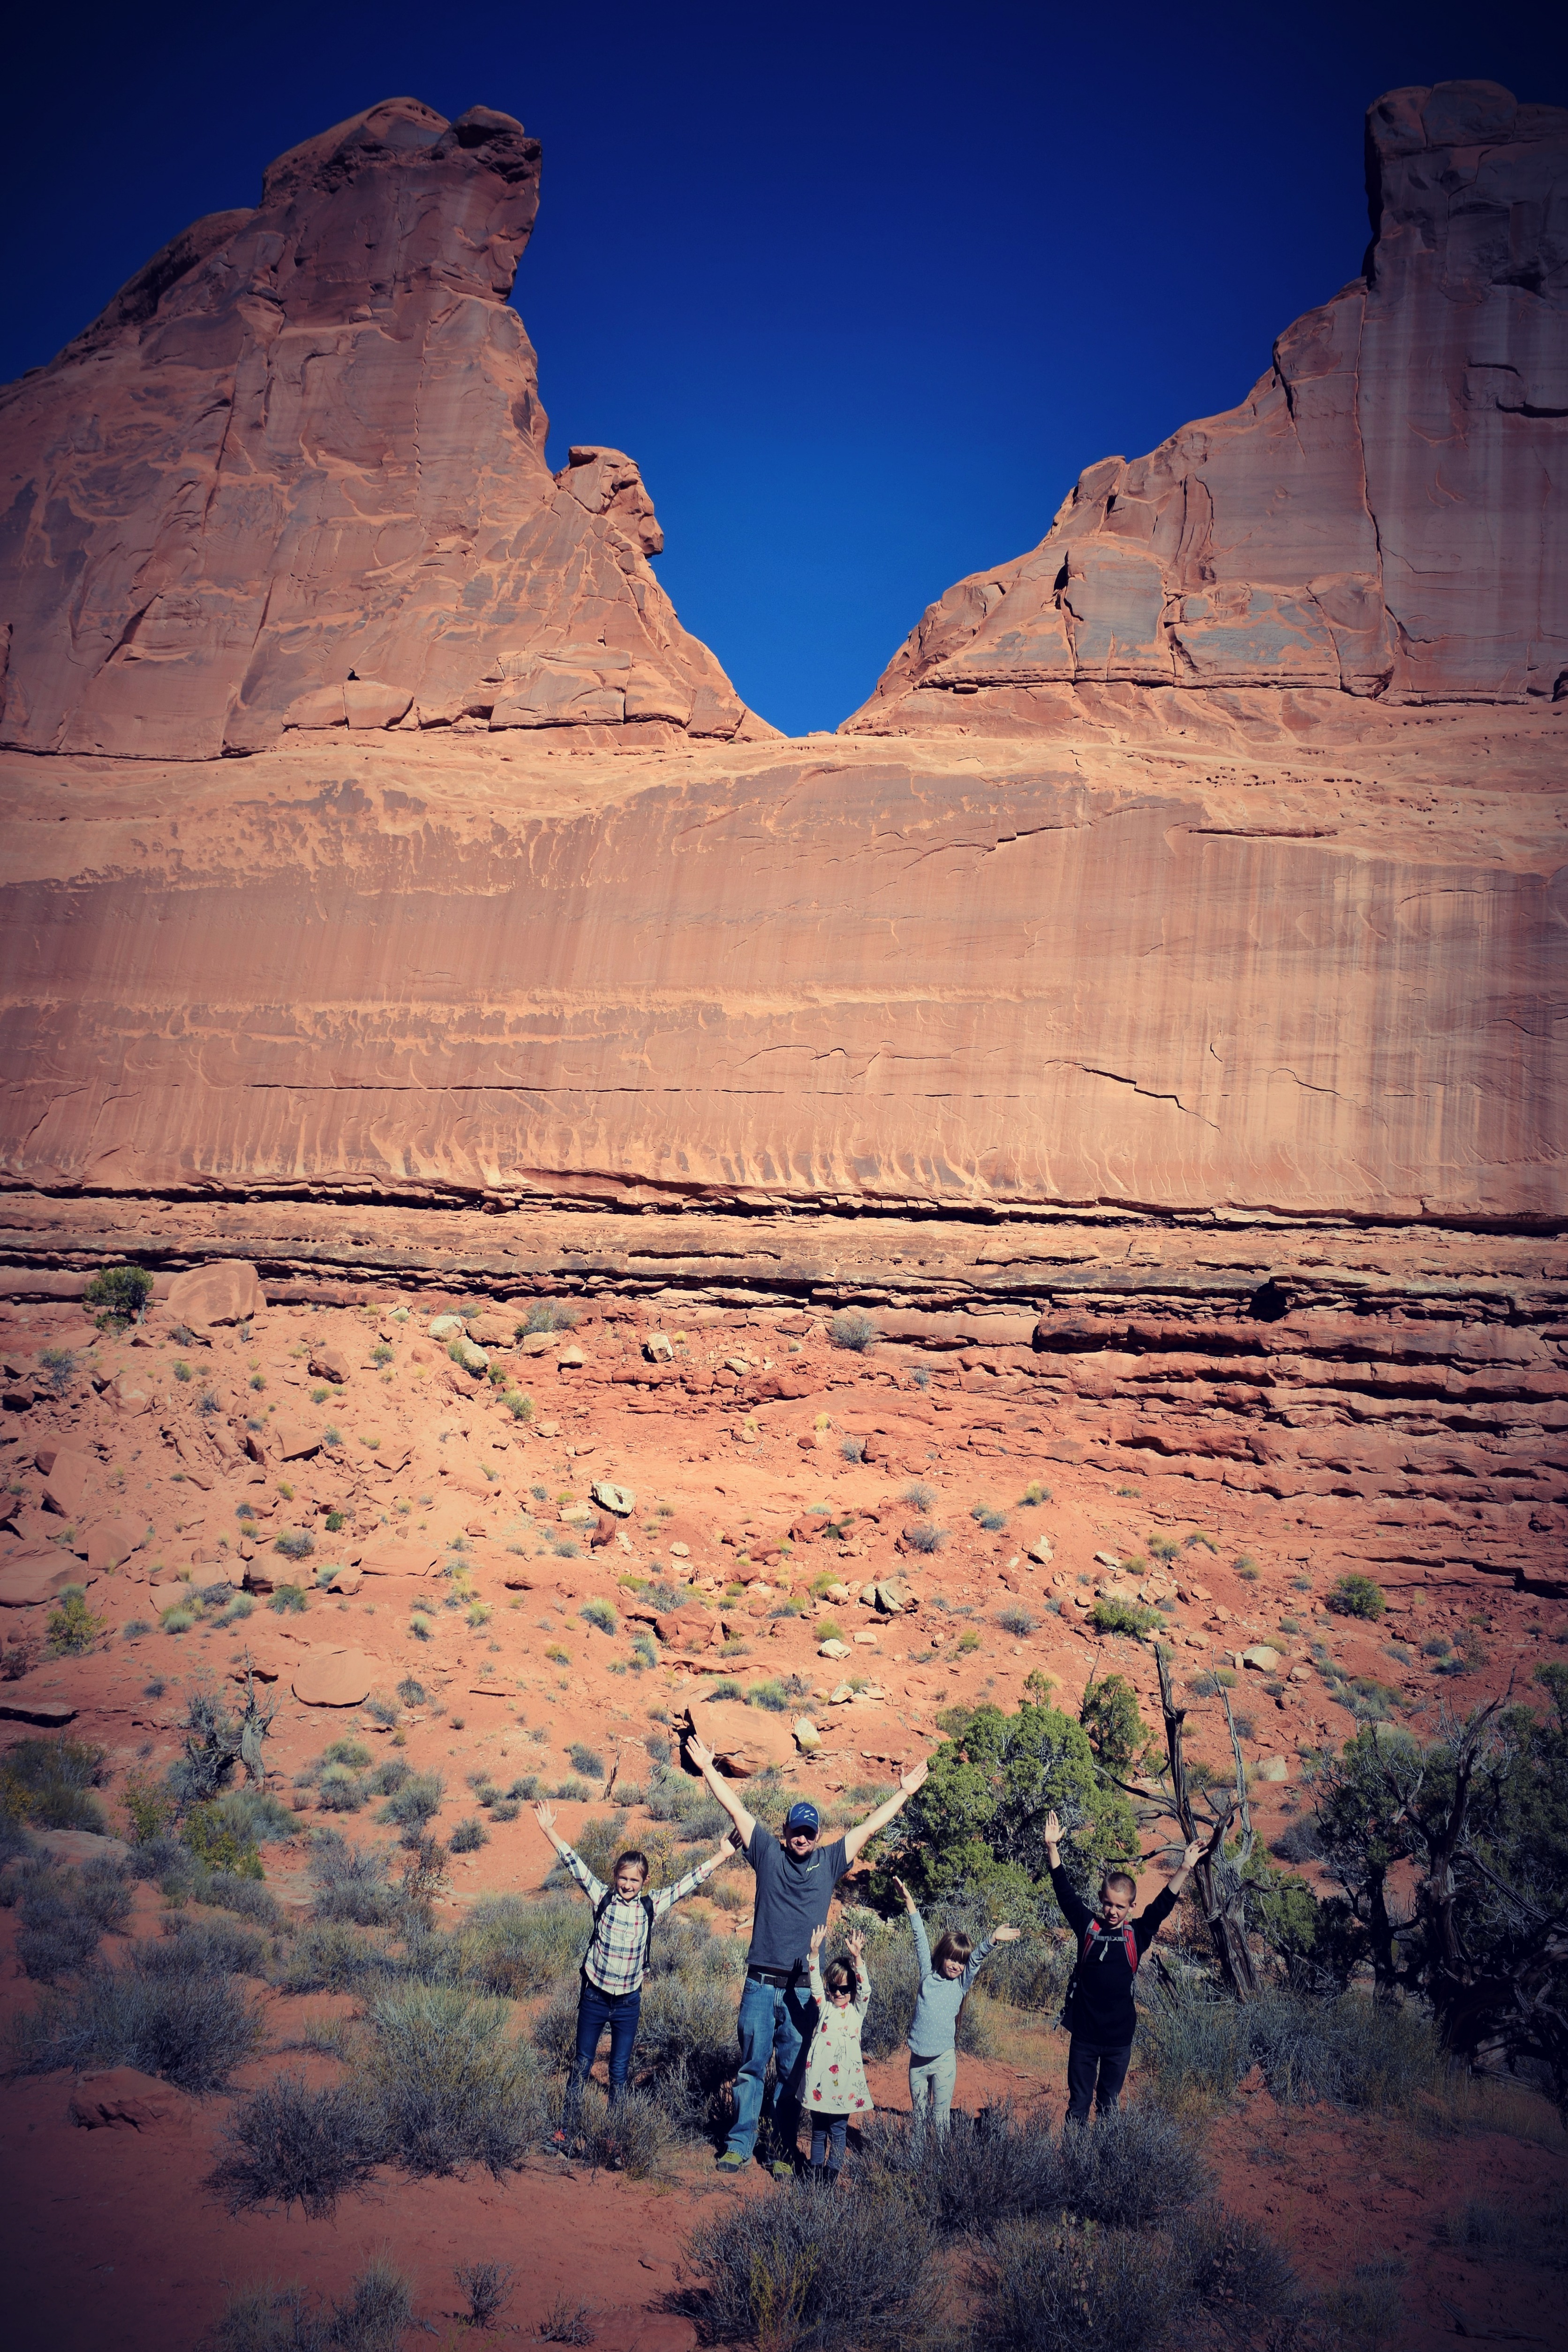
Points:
x=803, y=1816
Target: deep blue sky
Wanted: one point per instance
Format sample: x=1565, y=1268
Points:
x=862, y=288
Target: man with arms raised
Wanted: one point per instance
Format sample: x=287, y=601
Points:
x=795, y=1876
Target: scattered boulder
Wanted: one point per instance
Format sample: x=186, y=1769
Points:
x=659, y=1348
x=1042, y=1551
x=833, y=1649
x=866, y=1640
x=687, y=1629
x=539, y=1343
x=334, y=1678
x=329, y=1364
x=621, y=1500
x=492, y=1330
x=47, y=1714
x=472, y=1359
x=806, y=1737
x=1273, y=1767
x=67, y=1477
x=111, y=1543
x=37, y=1577
x=578, y=1515
x=228, y=1291
x=1260, y=1658
x=571, y=1360
x=122, y=2099
x=292, y=1441
x=743, y=1741
x=446, y=1327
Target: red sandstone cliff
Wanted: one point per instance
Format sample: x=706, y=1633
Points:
x=294, y=476
x=1386, y=514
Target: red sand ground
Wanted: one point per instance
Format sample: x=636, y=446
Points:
x=109, y=2235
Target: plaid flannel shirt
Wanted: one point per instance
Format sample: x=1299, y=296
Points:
x=617, y=1957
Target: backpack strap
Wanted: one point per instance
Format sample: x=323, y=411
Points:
x=1127, y=1938
x=603, y=1904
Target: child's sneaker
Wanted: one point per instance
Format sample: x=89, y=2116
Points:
x=782, y=2168
x=731, y=2161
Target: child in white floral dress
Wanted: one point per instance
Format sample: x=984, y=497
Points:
x=836, y=2087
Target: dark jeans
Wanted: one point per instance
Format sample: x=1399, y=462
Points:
x=827, y=2140
x=1085, y=2061
x=596, y=2010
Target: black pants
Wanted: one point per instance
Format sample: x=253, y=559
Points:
x=1086, y=2060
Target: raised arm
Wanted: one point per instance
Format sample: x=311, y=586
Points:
x=594, y=1888
x=1053, y=1840
x=719, y=1789
x=1190, y=1859
x=665, y=1896
x=917, y=1929
x=855, y=1838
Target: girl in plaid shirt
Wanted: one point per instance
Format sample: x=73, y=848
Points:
x=616, y=1961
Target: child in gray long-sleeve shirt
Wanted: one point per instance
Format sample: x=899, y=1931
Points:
x=946, y=1976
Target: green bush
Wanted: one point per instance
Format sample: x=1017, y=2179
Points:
x=1111, y=1615
x=1357, y=1596
x=192, y=2028
x=600, y=1614
x=373, y=2317
x=417, y=1802
x=974, y=1831
x=72, y=1627
x=819, y=2274
x=514, y=1948
x=48, y=1783
x=1358, y=2053
x=1044, y=2287
x=289, y=2145
x=854, y=1331
x=120, y=1294
x=586, y=1761
x=468, y=1836
x=452, y=2086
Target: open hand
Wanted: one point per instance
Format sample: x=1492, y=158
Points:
x=1053, y=1830
x=702, y=1757
x=1005, y=1935
x=856, y=1945
x=904, y=1891
x=913, y=1778
x=1194, y=1855
x=545, y=1816
x=817, y=1934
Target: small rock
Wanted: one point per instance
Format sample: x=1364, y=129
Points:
x=1107, y=1559
x=224, y=1292
x=1041, y=1550
x=570, y=1360
x=48, y=1714
x=658, y=1348
x=334, y=1678
x=680, y=1552
x=840, y=1695
x=621, y=1500
x=1301, y=1675
x=37, y=1577
x=446, y=1326
x=472, y=1360
x=834, y=1649
x=1260, y=1658
x=807, y=1738
x=122, y=2099
x=67, y=1475
x=1273, y=1767
x=539, y=1343
x=579, y=1515
x=329, y=1364
x=866, y=1640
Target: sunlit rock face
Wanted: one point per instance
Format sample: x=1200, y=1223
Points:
x=1386, y=514
x=294, y=477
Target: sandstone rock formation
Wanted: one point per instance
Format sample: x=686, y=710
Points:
x=1386, y=514
x=294, y=476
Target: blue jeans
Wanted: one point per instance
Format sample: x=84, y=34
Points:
x=777, y=2023
x=596, y=2010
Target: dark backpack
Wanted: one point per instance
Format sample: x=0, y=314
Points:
x=603, y=1904
x=1089, y=1933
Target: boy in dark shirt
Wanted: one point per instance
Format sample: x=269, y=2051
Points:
x=1100, y=2013
x=796, y=1879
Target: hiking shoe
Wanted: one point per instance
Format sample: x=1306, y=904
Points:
x=731, y=2161
x=782, y=2169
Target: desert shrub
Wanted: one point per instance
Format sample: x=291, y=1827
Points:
x=234, y=1613
x=1136, y=2170
x=708, y=1823
x=205, y=1947
x=72, y=1628
x=854, y=1331
x=294, y=1543
x=1368, y=2308
x=243, y=1895
x=57, y=1935
x=1111, y=1615
x=339, y=1791
x=289, y=2145
x=571, y=1792
x=350, y=1882
x=120, y=1292
x=1044, y=2287
x=1357, y=2053
x=987, y=2167
x=547, y=1315
x=919, y=1496
x=1303, y=1842
x=352, y=1752
x=388, y=1778
x=1016, y=1619
x=671, y=1797
x=586, y=1761
x=769, y=1696
x=925, y=1538
x=468, y=1836
x=332, y=1955
x=985, y=1515
x=190, y=2027
x=373, y=2317
x=488, y=2287
x=288, y=1600
x=1235, y=2268
x=48, y=1783
x=813, y=2273
x=453, y=2088
x=514, y=1948
x=600, y=1614
x=637, y=2136
x=216, y=1841
x=1357, y=1596
x=417, y=1802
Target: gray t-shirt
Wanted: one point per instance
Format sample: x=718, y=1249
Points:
x=792, y=1898
x=934, y=2025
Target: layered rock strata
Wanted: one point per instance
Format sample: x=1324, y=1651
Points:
x=1386, y=514
x=294, y=476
